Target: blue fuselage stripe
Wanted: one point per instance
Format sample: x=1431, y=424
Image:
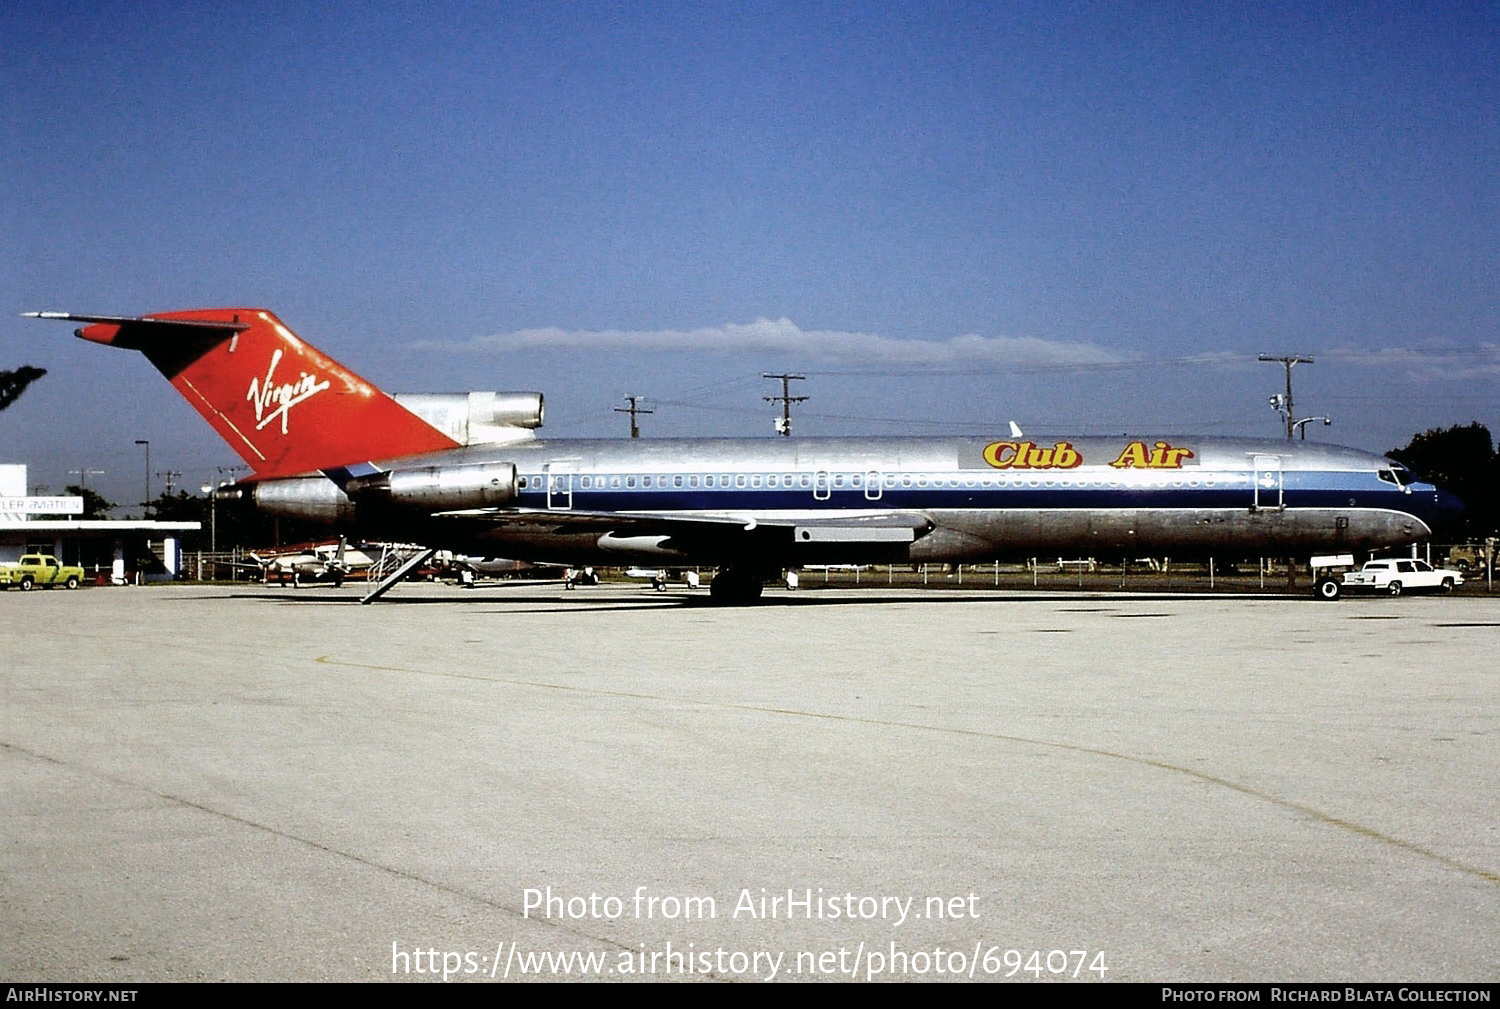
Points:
x=1299, y=489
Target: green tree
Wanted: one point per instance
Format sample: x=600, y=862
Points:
x=95, y=505
x=1461, y=460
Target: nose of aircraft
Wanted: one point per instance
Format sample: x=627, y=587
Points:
x=1449, y=507
x=1435, y=506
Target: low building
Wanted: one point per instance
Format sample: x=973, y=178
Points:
x=117, y=551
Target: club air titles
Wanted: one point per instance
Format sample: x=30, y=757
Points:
x=1062, y=455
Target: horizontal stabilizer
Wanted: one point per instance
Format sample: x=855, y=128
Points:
x=284, y=406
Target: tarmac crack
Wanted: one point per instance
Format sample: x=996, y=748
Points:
x=325, y=849
x=1358, y=829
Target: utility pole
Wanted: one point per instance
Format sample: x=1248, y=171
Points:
x=786, y=399
x=170, y=476
x=1282, y=403
x=633, y=409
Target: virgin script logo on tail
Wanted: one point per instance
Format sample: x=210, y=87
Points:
x=272, y=401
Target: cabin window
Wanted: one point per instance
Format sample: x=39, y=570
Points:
x=739, y=480
x=693, y=481
x=755, y=480
x=614, y=482
x=677, y=481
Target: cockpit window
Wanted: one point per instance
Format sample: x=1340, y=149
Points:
x=1389, y=476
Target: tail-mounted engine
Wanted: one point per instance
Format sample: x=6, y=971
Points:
x=419, y=490
x=438, y=488
x=479, y=418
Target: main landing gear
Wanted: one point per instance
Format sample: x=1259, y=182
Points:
x=735, y=587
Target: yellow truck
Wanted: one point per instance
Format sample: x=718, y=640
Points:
x=40, y=569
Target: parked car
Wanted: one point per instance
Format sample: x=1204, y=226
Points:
x=1400, y=575
x=1470, y=557
x=40, y=569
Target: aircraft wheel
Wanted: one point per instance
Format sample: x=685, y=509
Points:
x=1329, y=589
x=72, y=582
x=1395, y=588
x=733, y=587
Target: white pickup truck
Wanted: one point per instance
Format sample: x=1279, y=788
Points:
x=1395, y=576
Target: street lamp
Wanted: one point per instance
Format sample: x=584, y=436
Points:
x=1301, y=425
x=146, y=500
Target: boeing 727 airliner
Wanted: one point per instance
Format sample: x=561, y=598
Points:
x=467, y=473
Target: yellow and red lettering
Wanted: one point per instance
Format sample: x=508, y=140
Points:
x=1029, y=455
x=1160, y=455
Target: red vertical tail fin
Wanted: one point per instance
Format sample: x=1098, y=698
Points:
x=280, y=403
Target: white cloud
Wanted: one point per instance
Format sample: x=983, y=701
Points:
x=1425, y=363
x=784, y=337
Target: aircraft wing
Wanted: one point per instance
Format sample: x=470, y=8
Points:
x=724, y=527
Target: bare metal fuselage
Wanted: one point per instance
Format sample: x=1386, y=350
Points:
x=467, y=473
x=784, y=502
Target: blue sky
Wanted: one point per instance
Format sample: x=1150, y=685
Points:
x=1084, y=217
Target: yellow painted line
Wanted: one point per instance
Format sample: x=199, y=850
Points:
x=1488, y=875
